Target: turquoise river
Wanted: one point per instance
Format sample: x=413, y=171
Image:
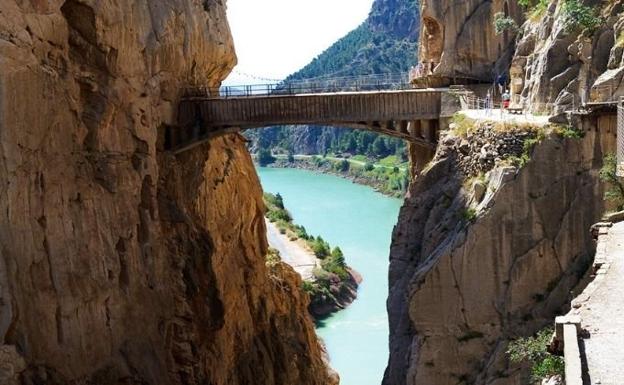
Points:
x=360, y=221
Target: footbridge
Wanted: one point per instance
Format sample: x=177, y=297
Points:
x=385, y=106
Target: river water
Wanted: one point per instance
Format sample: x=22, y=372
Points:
x=360, y=221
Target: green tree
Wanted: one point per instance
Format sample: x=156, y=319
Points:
x=379, y=147
x=265, y=157
x=320, y=247
x=343, y=165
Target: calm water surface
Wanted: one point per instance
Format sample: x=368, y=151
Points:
x=360, y=221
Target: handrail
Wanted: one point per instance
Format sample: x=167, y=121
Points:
x=378, y=82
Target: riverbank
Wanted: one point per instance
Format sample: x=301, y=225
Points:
x=331, y=284
x=360, y=220
x=388, y=180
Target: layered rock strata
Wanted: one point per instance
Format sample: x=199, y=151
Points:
x=120, y=263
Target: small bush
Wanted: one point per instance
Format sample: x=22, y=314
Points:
x=265, y=157
x=469, y=214
x=579, y=16
x=342, y=166
x=504, y=23
x=569, y=132
x=535, y=8
x=533, y=351
x=463, y=124
x=369, y=166
x=608, y=174
x=273, y=257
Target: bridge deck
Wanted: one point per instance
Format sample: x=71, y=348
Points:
x=397, y=113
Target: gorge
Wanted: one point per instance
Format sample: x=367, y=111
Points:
x=124, y=263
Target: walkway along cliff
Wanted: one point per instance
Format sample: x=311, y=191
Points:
x=490, y=242
x=120, y=263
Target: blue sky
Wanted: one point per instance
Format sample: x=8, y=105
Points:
x=274, y=38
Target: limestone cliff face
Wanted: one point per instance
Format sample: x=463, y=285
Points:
x=463, y=282
x=120, y=263
x=459, y=37
x=557, y=67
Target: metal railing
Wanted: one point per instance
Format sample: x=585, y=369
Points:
x=380, y=82
x=620, y=138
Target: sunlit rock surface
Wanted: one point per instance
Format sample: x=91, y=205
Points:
x=120, y=263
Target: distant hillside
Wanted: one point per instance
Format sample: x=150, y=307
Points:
x=385, y=43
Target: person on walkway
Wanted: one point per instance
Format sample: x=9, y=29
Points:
x=506, y=99
x=488, y=103
x=501, y=81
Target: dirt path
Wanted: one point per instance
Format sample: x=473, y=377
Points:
x=294, y=254
x=603, y=317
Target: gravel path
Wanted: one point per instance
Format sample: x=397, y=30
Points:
x=302, y=260
x=603, y=317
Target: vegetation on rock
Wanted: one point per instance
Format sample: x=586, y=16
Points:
x=608, y=174
x=504, y=23
x=580, y=16
x=333, y=277
x=533, y=350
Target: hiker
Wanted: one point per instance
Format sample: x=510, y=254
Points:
x=488, y=102
x=501, y=81
x=506, y=99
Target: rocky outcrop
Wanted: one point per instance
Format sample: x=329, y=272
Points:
x=459, y=38
x=120, y=263
x=559, y=65
x=472, y=268
x=341, y=293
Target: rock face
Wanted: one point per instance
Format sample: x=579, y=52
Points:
x=120, y=263
x=468, y=272
x=565, y=65
x=459, y=37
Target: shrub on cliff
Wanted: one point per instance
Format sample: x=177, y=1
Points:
x=320, y=248
x=335, y=263
x=608, y=174
x=580, y=16
x=504, y=23
x=535, y=8
x=533, y=351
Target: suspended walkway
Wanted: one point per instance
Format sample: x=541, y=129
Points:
x=387, y=105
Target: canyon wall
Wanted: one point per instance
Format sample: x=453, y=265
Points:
x=480, y=259
x=472, y=268
x=120, y=263
x=559, y=65
x=458, y=37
